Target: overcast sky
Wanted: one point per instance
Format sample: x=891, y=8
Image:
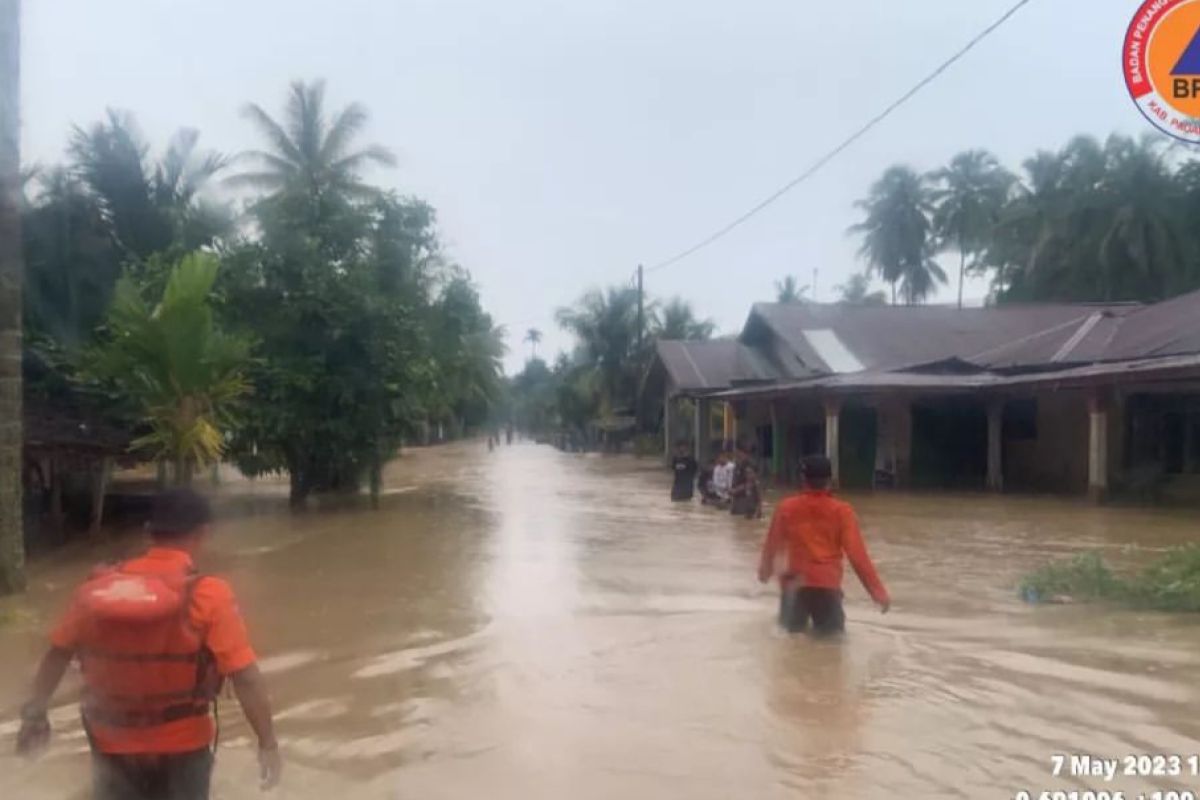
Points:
x=565, y=142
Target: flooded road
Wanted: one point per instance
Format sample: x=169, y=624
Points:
x=532, y=624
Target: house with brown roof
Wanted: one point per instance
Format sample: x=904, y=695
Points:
x=1070, y=398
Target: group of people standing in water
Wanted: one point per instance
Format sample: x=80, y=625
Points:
x=729, y=482
x=812, y=534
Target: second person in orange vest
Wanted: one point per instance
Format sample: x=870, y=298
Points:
x=816, y=531
x=154, y=640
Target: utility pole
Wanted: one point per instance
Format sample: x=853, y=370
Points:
x=641, y=322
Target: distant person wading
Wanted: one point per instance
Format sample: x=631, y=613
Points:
x=685, y=469
x=154, y=640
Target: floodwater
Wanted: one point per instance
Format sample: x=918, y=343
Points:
x=533, y=624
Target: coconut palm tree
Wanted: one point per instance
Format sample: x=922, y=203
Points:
x=311, y=155
x=605, y=324
x=12, y=552
x=150, y=207
x=676, y=321
x=1146, y=249
x=897, y=237
x=968, y=198
x=533, y=337
x=181, y=373
x=789, y=291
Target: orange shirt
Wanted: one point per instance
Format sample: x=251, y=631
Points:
x=816, y=530
x=214, y=611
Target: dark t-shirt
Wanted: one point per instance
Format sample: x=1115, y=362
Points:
x=685, y=477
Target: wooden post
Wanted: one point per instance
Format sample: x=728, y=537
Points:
x=100, y=476
x=995, y=445
x=776, y=443
x=1097, y=447
x=833, y=410
x=733, y=424
x=667, y=443
x=703, y=425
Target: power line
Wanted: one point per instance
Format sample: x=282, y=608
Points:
x=858, y=134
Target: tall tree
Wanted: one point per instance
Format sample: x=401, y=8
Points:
x=311, y=159
x=605, y=326
x=71, y=262
x=897, y=237
x=150, y=207
x=1095, y=222
x=968, y=197
x=533, y=337
x=790, y=291
x=677, y=321
x=12, y=551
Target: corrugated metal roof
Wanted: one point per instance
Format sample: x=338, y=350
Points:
x=1182, y=366
x=704, y=366
x=894, y=337
x=1168, y=328
x=910, y=347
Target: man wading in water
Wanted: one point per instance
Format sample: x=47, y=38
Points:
x=684, y=467
x=816, y=531
x=154, y=640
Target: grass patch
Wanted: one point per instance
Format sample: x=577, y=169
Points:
x=1170, y=583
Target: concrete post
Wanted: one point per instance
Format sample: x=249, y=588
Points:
x=995, y=445
x=1097, y=447
x=776, y=443
x=833, y=410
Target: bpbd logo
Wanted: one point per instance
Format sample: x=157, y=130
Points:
x=1161, y=60
x=1185, y=81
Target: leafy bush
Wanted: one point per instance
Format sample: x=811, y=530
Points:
x=1170, y=583
x=647, y=444
x=1083, y=577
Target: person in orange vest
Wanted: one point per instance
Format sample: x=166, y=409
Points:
x=816, y=531
x=155, y=640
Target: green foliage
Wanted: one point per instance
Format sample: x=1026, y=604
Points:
x=71, y=263
x=1082, y=577
x=1170, y=583
x=605, y=326
x=897, y=234
x=857, y=292
x=149, y=207
x=968, y=197
x=675, y=320
x=1090, y=222
x=359, y=330
x=647, y=444
x=181, y=374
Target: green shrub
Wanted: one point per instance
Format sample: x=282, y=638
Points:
x=647, y=444
x=1084, y=577
x=1170, y=583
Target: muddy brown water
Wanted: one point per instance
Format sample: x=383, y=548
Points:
x=533, y=624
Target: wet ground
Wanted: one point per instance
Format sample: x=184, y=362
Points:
x=532, y=624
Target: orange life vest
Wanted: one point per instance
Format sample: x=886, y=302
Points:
x=143, y=662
